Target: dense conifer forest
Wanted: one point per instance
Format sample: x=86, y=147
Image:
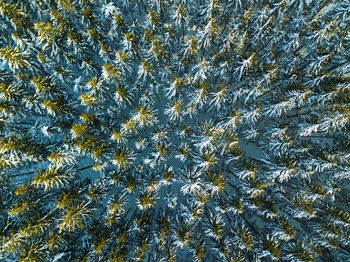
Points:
x=174, y=130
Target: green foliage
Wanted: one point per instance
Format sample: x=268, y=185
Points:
x=15, y=59
x=74, y=217
x=53, y=176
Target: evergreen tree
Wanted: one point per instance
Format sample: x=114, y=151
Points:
x=149, y=130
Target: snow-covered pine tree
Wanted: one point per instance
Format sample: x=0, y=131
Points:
x=174, y=130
